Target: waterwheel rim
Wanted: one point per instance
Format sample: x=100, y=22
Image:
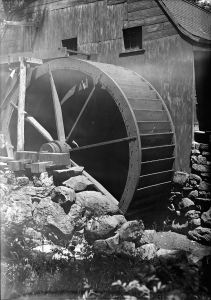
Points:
x=100, y=77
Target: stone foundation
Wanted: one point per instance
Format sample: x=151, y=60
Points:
x=190, y=201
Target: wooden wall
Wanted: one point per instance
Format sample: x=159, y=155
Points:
x=167, y=62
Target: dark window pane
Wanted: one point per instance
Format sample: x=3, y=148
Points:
x=133, y=37
x=70, y=44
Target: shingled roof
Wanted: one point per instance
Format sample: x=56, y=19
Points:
x=189, y=18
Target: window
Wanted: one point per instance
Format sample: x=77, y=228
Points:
x=133, y=38
x=70, y=44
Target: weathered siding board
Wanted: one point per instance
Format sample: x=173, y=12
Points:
x=141, y=5
x=146, y=21
x=160, y=33
x=13, y=41
x=140, y=14
x=52, y=5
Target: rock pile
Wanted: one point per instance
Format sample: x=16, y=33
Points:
x=60, y=207
x=191, y=196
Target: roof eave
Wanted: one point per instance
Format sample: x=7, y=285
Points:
x=180, y=28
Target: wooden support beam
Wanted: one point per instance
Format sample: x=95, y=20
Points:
x=21, y=106
x=17, y=23
x=57, y=110
x=39, y=54
x=36, y=125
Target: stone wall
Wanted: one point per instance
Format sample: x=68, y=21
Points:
x=190, y=200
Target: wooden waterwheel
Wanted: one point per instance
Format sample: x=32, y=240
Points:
x=115, y=122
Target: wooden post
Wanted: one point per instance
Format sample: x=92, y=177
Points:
x=21, y=106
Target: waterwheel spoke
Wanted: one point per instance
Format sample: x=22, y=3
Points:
x=57, y=111
x=81, y=112
x=68, y=95
x=104, y=143
x=36, y=124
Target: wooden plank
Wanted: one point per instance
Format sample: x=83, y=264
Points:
x=32, y=155
x=136, y=81
x=145, y=104
x=51, y=5
x=146, y=203
x=150, y=126
x=42, y=54
x=142, y=14
x=138, y=93
x=140, y=5
x=157, y=166
x=150, y=115
x=16, y=23
x=60, y=159
x=21, y=106
x=160, y=34
x=137, y=86
x=156, y=153
x=156, y=19
x=155, y=178
x=153, y=190
x=156, y=139
x=146, y=21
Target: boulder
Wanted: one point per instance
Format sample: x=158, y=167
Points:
x=147, y=252
x=194, y=159
x=21, y=181
x=76, y=216
x=97, y=204
x=146, y=238
x=3, y=179
x=195, y=152
x=46, y=180
x=170, y=257
x=202, y=160
x=195, y=223
x=131, y=231
x=180, y=225
x=204, y=186
x=50, y=214
x=101, y=247
x=180, y=178
x=201, y=234
x=195, y=177
x=4, y=190
x=206, y=218
x=193, y=195
x=192, y=214
x=41, y=192
x=17, y=209
x=79, y=183
x=113, y=242
x=186, y=204
x=127, y=249
x=201, y=168
x=103, y=227
x=64, y=196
